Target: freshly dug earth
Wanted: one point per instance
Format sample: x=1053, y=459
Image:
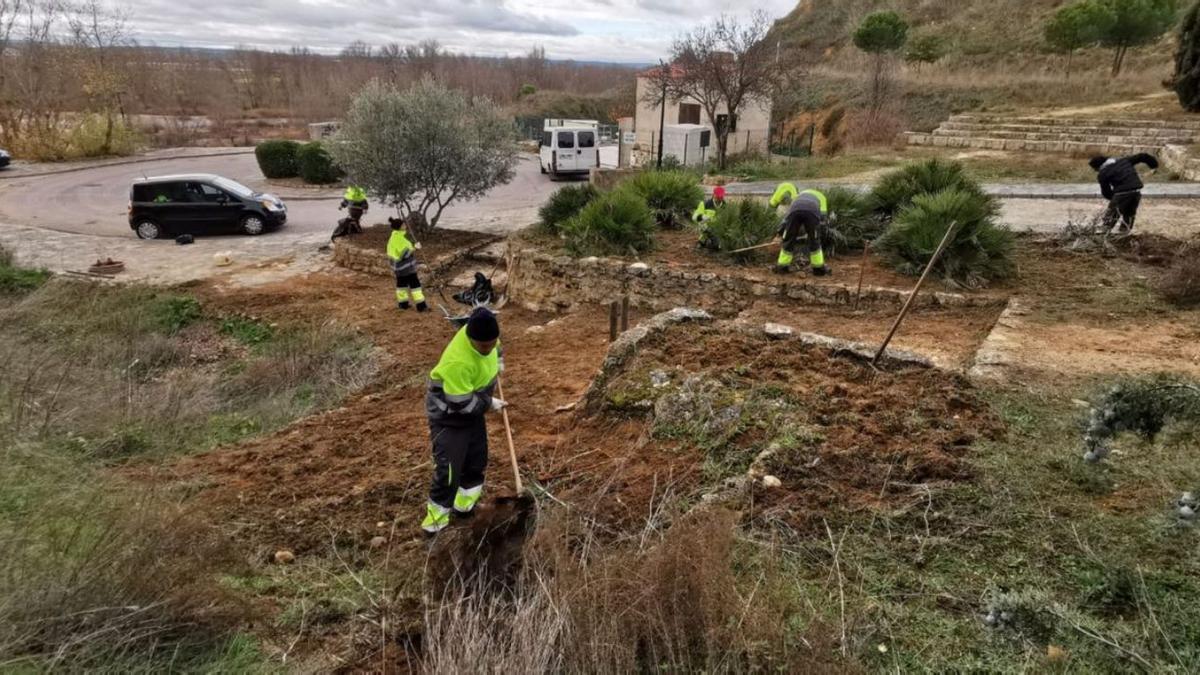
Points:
x=333, y=476
x=434, y=246
x=842, y=438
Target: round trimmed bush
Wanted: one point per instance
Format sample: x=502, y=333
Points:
x=277, y=159
x=671, y=195
x=563, y=205
x=741, y=223
x=315, y=165
x=615, y=223
x=978, y=253
x=897, y=189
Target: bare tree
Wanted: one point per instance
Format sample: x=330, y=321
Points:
x=723, y=66
x=98, y=31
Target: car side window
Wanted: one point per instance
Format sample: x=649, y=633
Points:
x=547, y=139
x=213, y=194
x=194, y=193
x=566, y=139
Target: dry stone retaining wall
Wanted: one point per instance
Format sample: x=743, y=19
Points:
x=540, y=281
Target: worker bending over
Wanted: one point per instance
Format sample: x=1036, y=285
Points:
x=1122, y=187
x=806, y=215
x=784, y=194
x=460, y=393
x=706, y=211
x=401, y=252
x=356, y=199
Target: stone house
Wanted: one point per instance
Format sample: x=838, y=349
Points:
x=750, y=129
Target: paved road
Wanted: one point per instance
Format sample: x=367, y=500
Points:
x=1002, y=190
x=93, y=201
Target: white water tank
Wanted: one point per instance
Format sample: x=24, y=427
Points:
x=688, y=143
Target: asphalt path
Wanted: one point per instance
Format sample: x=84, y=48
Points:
x=93, y=201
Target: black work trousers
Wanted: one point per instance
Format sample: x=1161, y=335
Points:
x=1122, y=210
x=460, y=457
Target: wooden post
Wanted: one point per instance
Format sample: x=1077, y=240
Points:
x=916, y=289
x=624, y=313
x=612, y=321
x=862, y=270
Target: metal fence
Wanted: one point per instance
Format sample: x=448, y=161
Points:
x=794, y=143
x=530, y=129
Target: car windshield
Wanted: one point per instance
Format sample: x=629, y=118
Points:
x=233, y=186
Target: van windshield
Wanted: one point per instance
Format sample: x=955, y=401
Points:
x=233, y=186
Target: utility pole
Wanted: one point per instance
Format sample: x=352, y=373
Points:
x=662, y=119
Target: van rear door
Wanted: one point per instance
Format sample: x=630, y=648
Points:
x=588, y=153
x=567, y=153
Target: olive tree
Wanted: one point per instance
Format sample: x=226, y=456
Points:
x=423, y=148
x=881, y=34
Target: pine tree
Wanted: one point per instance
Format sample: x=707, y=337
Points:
x=1186, y=81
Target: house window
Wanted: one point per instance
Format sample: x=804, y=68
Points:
x=689, y=113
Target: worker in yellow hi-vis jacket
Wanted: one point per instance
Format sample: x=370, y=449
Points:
x=806, y=215
x=401, y=252
x=459, y=395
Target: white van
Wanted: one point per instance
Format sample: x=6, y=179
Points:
x=571, y=149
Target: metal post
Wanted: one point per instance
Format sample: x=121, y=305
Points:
x=624, y=313
x=662, y=119
x=612, y=321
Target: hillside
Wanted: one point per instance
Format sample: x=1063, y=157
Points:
x=976, y=32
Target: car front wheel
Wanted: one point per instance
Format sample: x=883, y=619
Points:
x=148, y=229
x=253, y=225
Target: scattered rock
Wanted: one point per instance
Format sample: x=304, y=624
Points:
x=659, y=379
x=771, y=482
x=284, y=557
x=381, y=524
x=378, y=542
x=639, y=269
x=778, y=330
x=535, y=329
x=1055, y=654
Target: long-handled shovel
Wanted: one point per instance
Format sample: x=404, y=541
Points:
x=512, y=450
x=773, y=242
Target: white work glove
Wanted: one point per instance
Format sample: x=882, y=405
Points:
x=417, y=246
x=498, y=404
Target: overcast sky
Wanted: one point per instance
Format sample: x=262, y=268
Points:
x=624, y=31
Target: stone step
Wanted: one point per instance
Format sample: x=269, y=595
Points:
x=1078, y=121
x=1062, y=136
x=1132, y=132
x=917, y=138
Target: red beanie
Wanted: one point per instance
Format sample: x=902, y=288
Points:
x=718, y=192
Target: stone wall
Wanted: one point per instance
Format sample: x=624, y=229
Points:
x=607, y=179
x=1177, y=159
x=541, y=282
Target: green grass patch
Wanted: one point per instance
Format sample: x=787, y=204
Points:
x=249, y=332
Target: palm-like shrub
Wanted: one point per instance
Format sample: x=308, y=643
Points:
x=615, y=223
x=563, y=205
x=742, y=223
x=671, y=195
x=979, y=252
x=897, y=189
x=856, y=221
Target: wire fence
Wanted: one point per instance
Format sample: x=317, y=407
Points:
x=530, y=129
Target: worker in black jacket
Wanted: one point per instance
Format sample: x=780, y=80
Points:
x=1121, y=186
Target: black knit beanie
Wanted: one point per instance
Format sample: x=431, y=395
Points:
x=482, y=326
x=1097, y=162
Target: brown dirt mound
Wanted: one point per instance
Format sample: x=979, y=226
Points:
x=439, y=243
x=846, y=438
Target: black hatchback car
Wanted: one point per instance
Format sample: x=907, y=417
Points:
x=200, y=204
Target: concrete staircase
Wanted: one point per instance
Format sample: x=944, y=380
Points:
x=1082, y=135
